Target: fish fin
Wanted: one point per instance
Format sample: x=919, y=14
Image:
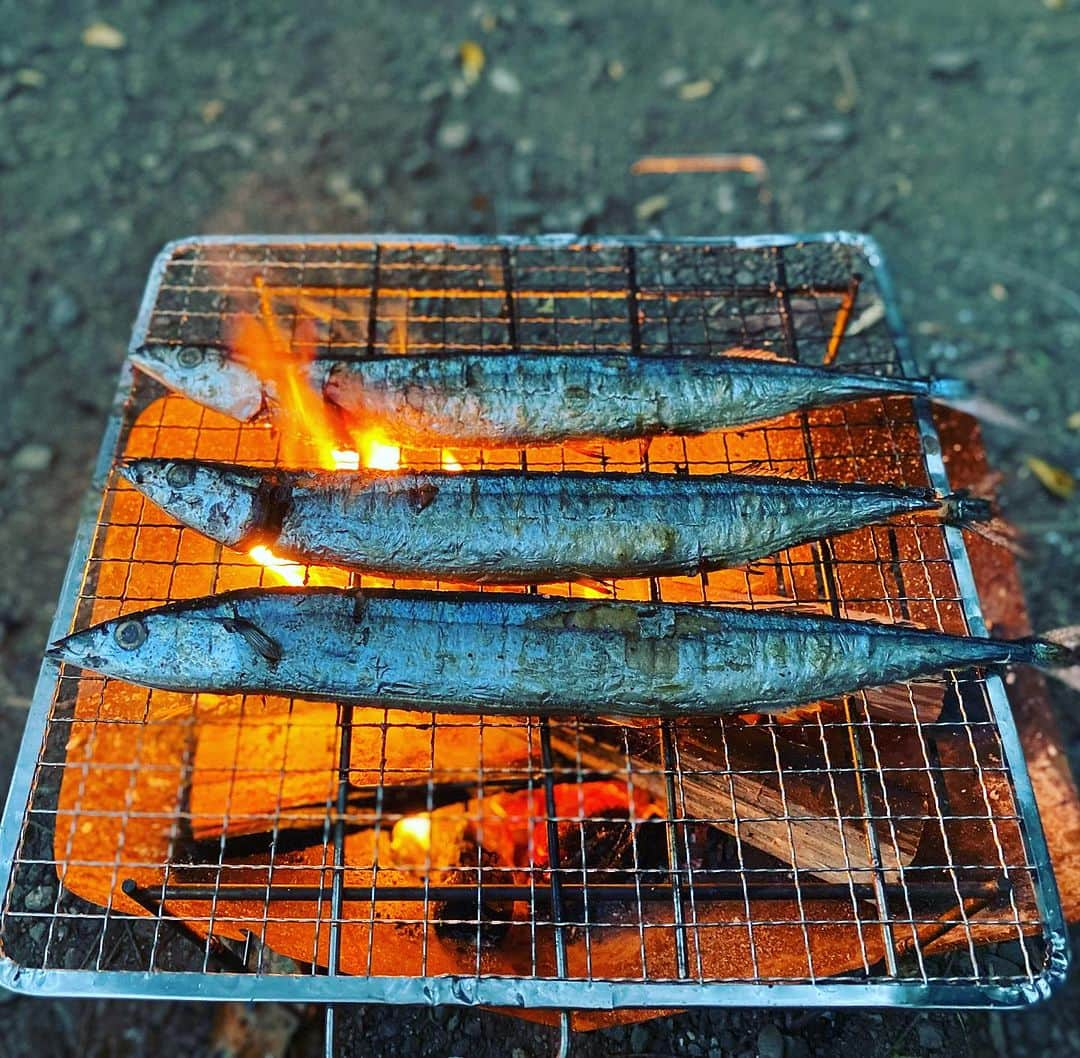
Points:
x=264, y=645
x=1001, y=533
x=986, y=410
x=593, y=450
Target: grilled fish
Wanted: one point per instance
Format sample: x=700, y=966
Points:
x=518, y=654
x=514, y=527
x=498, y=400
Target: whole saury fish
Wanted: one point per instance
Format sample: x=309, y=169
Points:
x=519, y=527
x=509, y=400
x=502, y=653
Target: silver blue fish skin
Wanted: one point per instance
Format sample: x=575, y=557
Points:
x=508, y=526
x=513, y=654
x=510, y=400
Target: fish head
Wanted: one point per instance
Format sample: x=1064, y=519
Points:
x=184, y=646
x=205, y=374
x=134, y=647
x=229, y=504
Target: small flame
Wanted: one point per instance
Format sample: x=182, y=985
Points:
x=410, y=840
x=450, y=462
x=303, y=417
x=283, y=361
x=345, y=459
x=290, y=572
x=378, y=453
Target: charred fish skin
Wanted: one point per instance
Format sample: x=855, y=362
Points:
x=534, y=399
x=517, y=399
x=517, y=654
x=512, y=526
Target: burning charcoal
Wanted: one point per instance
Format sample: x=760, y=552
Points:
x=461, y=920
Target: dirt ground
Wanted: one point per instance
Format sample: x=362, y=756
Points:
x=950, y=131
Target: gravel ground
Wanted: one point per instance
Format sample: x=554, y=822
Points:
x=949, y=131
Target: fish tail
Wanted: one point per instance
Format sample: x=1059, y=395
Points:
x=1046, y=653
x=948, y=389
x=962, y=509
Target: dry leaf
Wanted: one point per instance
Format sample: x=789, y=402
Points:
x=695, y=89
x=1054, y=479
x=102, y=35
x=472, y=60
x=616, y=70
x=211, y=110
x=650, y=207
x=1073, y=421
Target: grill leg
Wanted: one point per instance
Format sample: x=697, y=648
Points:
x=328, y=1033
x=564, y=1034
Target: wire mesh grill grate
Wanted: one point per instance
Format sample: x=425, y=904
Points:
x=268, y=847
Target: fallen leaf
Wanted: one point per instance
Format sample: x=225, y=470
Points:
x=998, y=291
x=1054, y=479
x=1073, y=421
x=102, y=35
x=650, y=207
x=472, y=60
x=873, y=313
x=211, y=110
x=695, y=89
x=616, y=70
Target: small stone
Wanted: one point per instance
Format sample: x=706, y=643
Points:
x=694, y=90
x=63, y=310
x=505, y=81
x=930, y=1037
x=770, y=1042
x=37, y=933
x=796, y=1047
x=833, y=133
x=32, y=459
x=517, y=1052
x=639, y=1038
x=40, y=898
x=672, y=77
x=953, y=64
x=102, y=35
x=616, y=69
x=454, y=136
x=28, y=77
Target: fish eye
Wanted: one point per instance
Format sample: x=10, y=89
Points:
x=130, y=634
x=190, y=356
x=180, y=475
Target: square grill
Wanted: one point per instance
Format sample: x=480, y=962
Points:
x=869, y=849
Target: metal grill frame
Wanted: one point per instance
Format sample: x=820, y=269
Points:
x=546, y=992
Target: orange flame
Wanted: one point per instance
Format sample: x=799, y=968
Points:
x=308, y=425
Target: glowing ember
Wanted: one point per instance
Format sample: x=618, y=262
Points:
x=449, y=461
x=410, y=839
